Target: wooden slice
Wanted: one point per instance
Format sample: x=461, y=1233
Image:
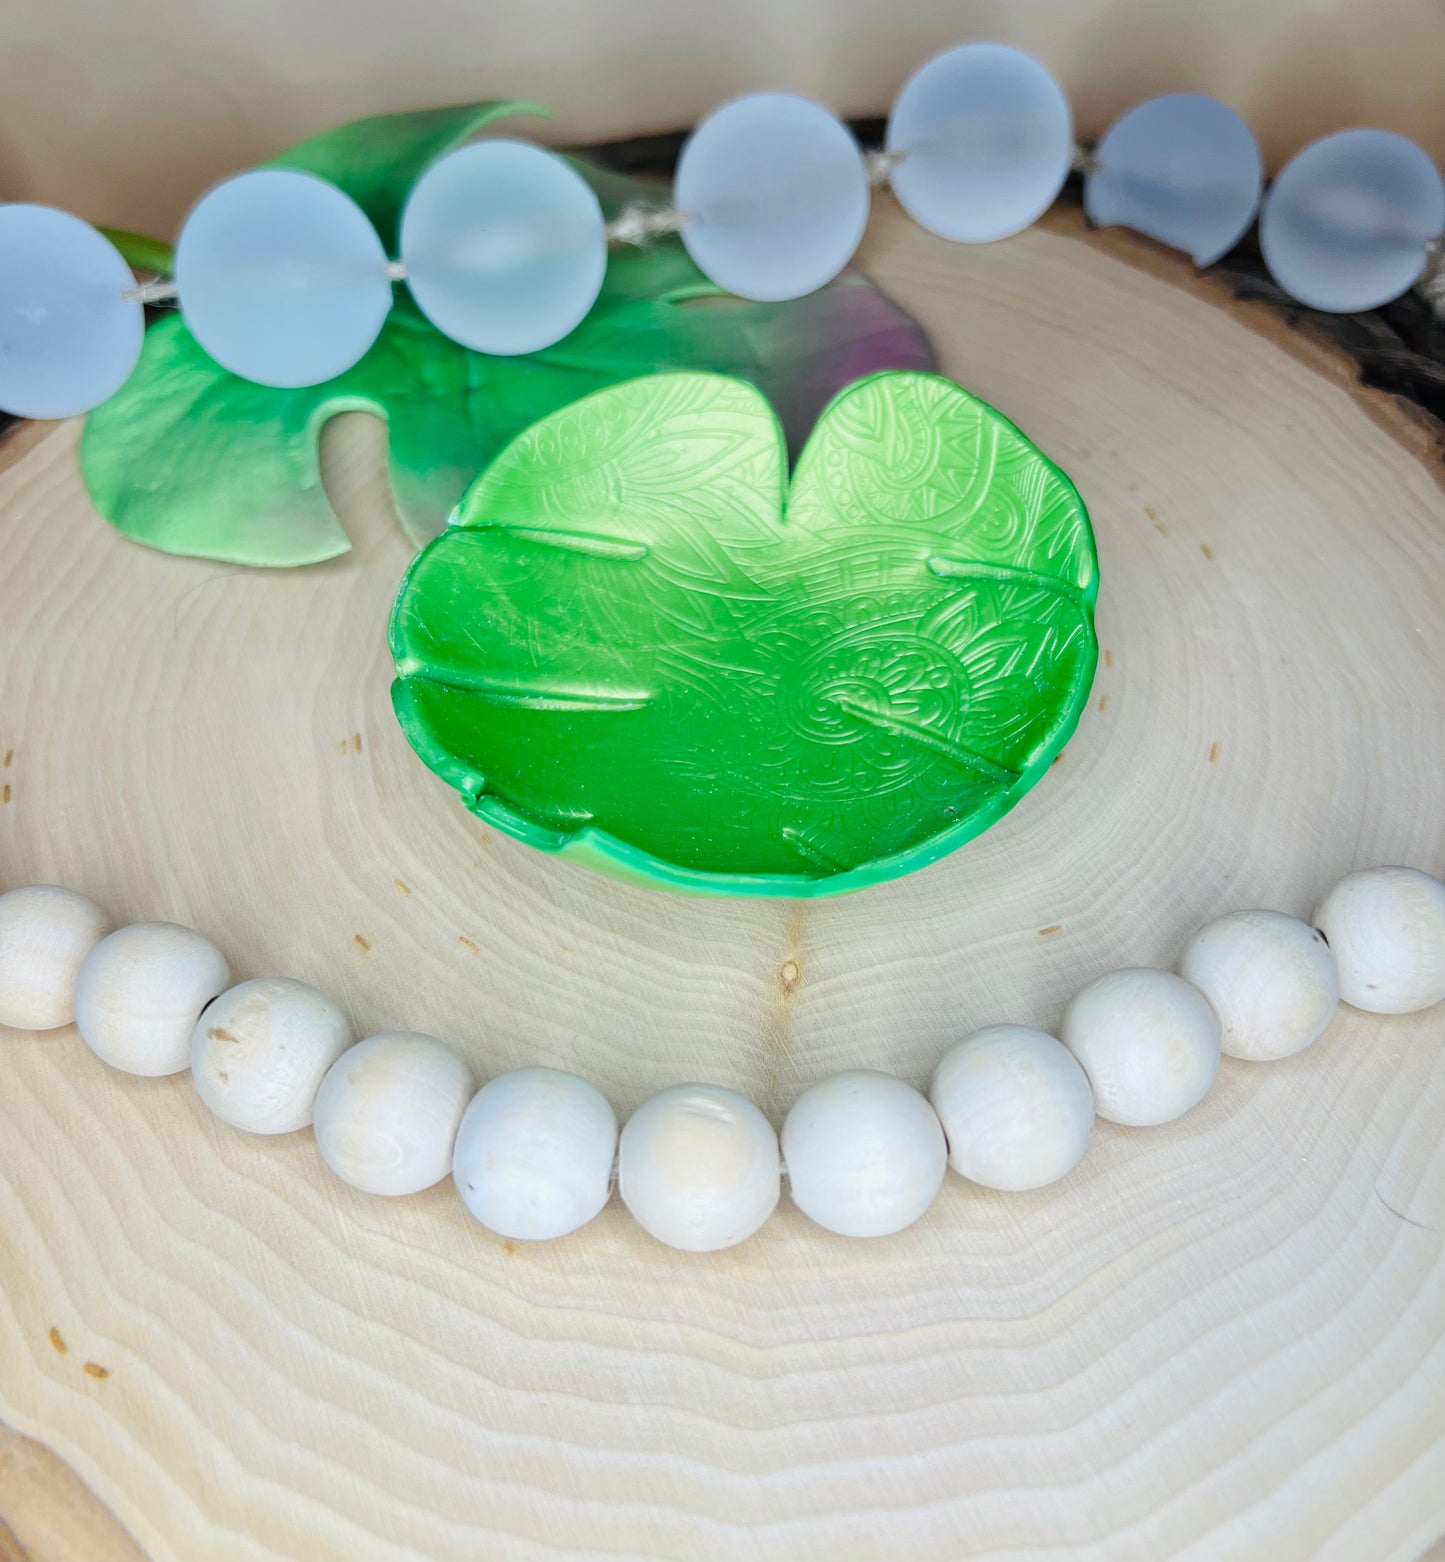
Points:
x=1220, y=1339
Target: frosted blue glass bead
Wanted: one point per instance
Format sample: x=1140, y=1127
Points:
x=1346, y=225
x=281, y=278
x=776, y=196
x=1184, y=169
x=988, y=142
x=505, y=247
x=68, y=335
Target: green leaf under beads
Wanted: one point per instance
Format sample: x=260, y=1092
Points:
x=141, y=253
x=638, y=646
x=190, y=459
x=376, y=161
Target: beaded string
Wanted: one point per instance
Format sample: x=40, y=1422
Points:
x=283, y=280
x=536, y=1152
x=634, y=224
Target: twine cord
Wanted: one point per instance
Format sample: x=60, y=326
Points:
x=1431, y=286
x=159, y=290
x=879, y=166
x=637, y=224
x=1085, y=162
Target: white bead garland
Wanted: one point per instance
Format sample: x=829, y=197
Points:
x=1016, y=1106
x=1386, y=929
x=261, y=1050
x=985, y=138
x=533, y=1157
x=1149, y=1043
x=388, y=1111
x=1271, y=979
x=1349, y=221
x=1182, y=168
x=281, y=277
x=70, y=334
x=776, y=196
x=504, y=245
x=45, y=934
x=140, y=992
x=865, y=1154
x=698, y=1166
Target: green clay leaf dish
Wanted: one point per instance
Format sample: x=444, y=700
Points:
x=190, y=459
x=639, y=647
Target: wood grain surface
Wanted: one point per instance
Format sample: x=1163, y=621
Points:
x=1222, y=1341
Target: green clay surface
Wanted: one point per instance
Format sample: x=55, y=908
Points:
x=142, y=253
x=638, y=646
x=190, y=459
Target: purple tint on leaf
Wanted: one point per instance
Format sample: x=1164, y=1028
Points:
x=814, y=346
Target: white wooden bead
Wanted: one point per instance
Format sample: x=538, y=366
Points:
x=45, y=934
x=698, y=1167
x=388, y=1111
x=533, y=1157
x=865, y=1154
x=1016, y=1106
x=1386, y=928
x=1271, y=979
x=261, y=1050
x=140, y=993
x=1149, y=1043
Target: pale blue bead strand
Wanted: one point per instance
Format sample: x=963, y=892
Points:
x=1183, y=168
x=282, y=278
x=1348, y=224
x=71, y=326
x=505, y=247
x=983, y=140
x=774, y=196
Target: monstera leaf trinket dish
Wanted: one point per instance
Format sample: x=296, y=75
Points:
x=640, y=646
